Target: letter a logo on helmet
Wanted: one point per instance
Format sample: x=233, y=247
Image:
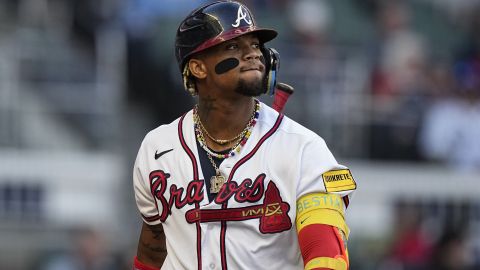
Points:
x=241, y=15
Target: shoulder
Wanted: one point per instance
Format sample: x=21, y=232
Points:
x=166, y=134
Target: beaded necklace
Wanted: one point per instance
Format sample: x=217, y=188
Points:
x=217, y=181
x=242, y=137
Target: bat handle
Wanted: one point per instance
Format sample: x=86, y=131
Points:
x=282, y=93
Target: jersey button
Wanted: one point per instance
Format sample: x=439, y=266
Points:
x=212, y=265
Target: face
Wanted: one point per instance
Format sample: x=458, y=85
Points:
x=236, y=66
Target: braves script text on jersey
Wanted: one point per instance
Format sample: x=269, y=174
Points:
x=251, y=222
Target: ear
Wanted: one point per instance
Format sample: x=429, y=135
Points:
x=197, y=68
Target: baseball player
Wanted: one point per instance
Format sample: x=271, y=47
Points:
x=233, y=183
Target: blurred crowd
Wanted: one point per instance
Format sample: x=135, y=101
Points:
x=89, y=251
x=404, y=74
x=426, y=101
x=418, y=78
x=433, y=234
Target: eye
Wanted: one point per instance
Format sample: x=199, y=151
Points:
x=256, y=45
x=231, y=46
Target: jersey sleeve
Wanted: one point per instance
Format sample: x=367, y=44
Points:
x=145, y=201
x=320, y=171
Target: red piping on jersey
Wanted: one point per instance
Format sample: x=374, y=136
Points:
x=195, y=177
x=185, y=147
x=235, y=167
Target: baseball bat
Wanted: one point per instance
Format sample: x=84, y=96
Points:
x=282, y=92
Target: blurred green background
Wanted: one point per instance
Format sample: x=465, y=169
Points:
x=392, y=86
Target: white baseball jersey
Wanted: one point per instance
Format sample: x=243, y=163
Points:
x=251, y=222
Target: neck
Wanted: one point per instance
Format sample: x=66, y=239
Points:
x=225, y=119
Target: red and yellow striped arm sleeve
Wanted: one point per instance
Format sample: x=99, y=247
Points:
x=322, y=231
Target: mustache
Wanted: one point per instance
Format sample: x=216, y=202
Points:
x=254, y=64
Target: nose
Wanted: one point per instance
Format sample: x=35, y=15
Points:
x=251, y=53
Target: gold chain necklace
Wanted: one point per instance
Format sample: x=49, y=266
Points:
x=221, y=141
x=241, y=140
x=216, y=181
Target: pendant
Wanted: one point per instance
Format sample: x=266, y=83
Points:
x=216, y=183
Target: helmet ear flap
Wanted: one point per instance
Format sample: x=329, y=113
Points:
x=272, y=65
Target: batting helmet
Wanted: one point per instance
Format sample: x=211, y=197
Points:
x=218, y=22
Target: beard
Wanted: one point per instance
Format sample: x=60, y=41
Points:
x=251, y=88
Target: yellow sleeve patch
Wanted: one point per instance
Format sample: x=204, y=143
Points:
x=314, y=201
x=321, y=208
x=339, y=180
